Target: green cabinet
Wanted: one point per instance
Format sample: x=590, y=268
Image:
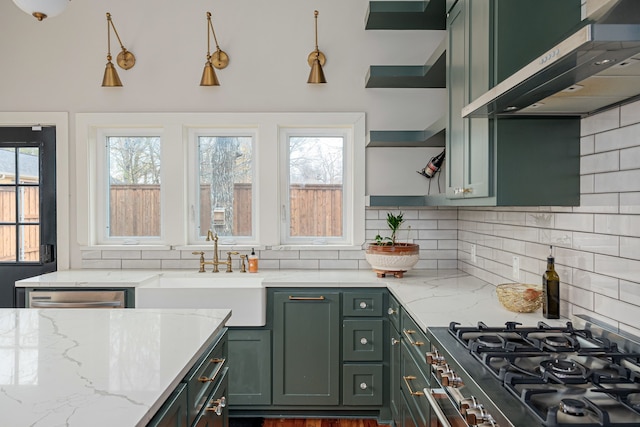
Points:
x=505, y=161
x=468, y=66
x=174, y=412
x=249, y=366
x=200, y=400
x=306, y=347
x=395, y=373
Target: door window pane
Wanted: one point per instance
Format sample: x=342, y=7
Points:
x=315, y=186
x=7, y=204
x=28, y=166
x=8, y=165
x=8, y=247
x=29, y=244
x=134, y=186
x=29, y=204
x=225, y=178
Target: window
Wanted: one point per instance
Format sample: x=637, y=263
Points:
x=316, y=199
x=131, y=208
x=256, y=179
x=224, y=199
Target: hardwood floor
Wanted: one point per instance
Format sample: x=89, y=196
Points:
x=311, y=422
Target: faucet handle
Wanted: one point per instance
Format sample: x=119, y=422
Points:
x=229, y=270
x=243, y=267
x=201, y=260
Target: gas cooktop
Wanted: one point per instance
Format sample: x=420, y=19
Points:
x=564, y=376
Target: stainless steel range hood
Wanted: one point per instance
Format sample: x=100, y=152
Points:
x=596, y=67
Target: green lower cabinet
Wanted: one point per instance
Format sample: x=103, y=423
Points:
x=362, y=340
x=249, y=367
x=215, y=413
x=362, y=384
x=395, y=398
x=306, y=348
x=174, y=412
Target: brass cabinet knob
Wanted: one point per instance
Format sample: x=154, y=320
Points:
x=363, y=305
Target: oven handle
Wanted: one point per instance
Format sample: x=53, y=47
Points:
x=428, y=393
x=88, y=304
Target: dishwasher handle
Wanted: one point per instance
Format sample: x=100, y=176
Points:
x=84, y=304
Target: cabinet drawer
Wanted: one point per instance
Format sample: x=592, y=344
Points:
x=414, y=377
x=203, y=378
x=414, y=338
x=362, y=384
x=363, y=303
x=362, y=340
x=216, y=411
x=393, y=311
x=174, y=411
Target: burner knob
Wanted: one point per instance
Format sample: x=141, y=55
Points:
x=442, y=369
x=476, y=415
x=450, y=379
x=434, y=358
x=471, y=402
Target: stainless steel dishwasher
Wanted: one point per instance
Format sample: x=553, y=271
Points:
x=77, y=299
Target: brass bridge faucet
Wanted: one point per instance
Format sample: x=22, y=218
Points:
x=216, y=261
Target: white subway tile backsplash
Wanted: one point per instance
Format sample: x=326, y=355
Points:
x=91, y=254
x=607, y=120
x=357, y=255
x=630, y=203
x=621, y=311
x=437, y=234
x=630, y=292
x=562, y=238
x=339, y=264
x=597, y=283
x=438, y=214
x=630, y=113
x=587, y=145
x=121, y=254
x=147, y=264
x=623, y=225
x=102, y=264
x=603, y=162
x=618, y=139
x=606, y=244
x=630, y=248
x=630, y=158
x=622, y=181
x=587, y=184
x=279, y=254
x=181, y=264
x=300, y=264
x=574, y=222
x=577, y=296
x=620, y=268
x=318, y=254
x=598, y=203
x=161, y=254
x=540, y=219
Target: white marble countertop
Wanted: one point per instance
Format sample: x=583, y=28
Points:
x=92, y=367
x=432, y=297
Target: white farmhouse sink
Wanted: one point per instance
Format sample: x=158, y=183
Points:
x=243, y=294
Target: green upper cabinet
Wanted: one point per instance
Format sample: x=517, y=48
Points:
x=506, y=161
x=469, y=61
x=306, y=348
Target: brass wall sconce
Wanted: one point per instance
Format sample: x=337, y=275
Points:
x=219, y=59
x=125, y=59
x=316, y=60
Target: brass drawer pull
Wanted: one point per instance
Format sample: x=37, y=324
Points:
x=408, y=333
x=220, y=364
x=320, y=298
x=411, y=392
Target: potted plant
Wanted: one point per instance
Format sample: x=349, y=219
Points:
x=387, y=255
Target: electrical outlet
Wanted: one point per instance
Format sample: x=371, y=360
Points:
x=473, y=254
x=516, y=268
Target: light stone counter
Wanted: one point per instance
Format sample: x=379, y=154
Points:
x=432, y=297
x=92, y=367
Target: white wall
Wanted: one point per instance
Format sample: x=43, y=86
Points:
x=597, y=245
x=58, y=64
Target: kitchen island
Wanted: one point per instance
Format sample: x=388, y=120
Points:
x=97, y=367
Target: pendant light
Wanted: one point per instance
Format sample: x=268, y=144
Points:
x=316, y=60
x=219, y=59
x=41, y=9
x=125, y=59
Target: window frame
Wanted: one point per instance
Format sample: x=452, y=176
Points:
x=194, y=133
x=177, y=227
x=286, y=133
x=103, y=187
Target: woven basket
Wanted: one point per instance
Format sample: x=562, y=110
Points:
x=520, y=297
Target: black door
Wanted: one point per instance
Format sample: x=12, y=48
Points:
x=27, y=207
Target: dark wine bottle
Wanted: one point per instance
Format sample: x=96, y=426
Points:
x=433, y=166
x=551, y=290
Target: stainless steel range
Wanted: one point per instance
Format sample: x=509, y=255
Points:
x=553, y=376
